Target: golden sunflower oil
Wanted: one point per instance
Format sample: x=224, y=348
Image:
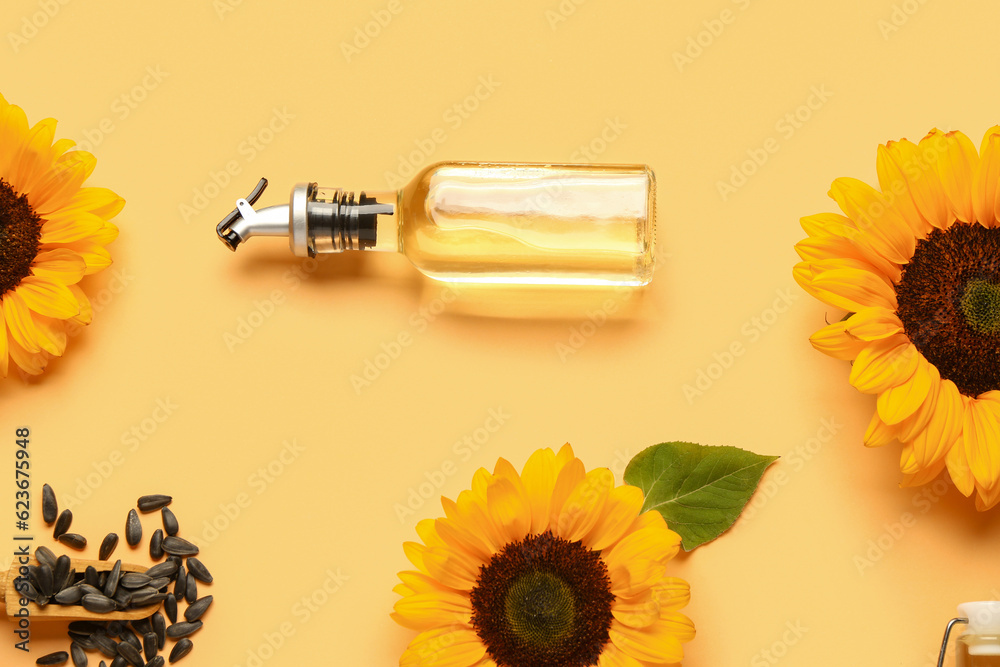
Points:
x=977, y=651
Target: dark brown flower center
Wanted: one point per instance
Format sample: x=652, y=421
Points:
x=543, y=601
x=20, y=229
x=949, y=303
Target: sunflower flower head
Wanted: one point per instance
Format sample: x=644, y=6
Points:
x=552, y=566
x=53, y=232
x=916, y=263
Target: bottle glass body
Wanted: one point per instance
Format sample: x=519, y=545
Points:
x=977, y=650
x=529, y=223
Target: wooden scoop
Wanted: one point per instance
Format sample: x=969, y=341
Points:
x=10, y=597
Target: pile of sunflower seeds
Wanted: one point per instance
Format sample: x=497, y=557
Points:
x=138, y=642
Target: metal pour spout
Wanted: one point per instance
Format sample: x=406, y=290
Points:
x=244, y=222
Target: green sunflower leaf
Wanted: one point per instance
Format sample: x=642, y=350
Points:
x=699, y=489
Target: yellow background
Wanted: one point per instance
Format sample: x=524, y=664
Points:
x=834, y=564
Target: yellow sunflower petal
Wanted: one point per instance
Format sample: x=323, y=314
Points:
x=943, y=427
x=833, y=340
x=884, y=364
x=82, y=226
x=4, y=356
x=640, y=611
x=95, y=257
x=86, y=313
x=958, y=464
x=896, y=191
x=20, y=325
x=584, y=506
x=571, y=474
x=539, y=477
x=879, y=433
x=656, y=644
x=897, y=403
x=57, y=187
x=612, y=656
x=509, y=509
x=874, y=324
x=101, y=202
x=35, y=157
x=13, y=128
x=987, y=175
x=957, y=170
x=829, y=230
x=423, y=611
x=61, y=266
x=986, y=499
x=621, y=509
x=456, y=537
x=452, y=567
x=564, y=456
x=981, y=438
x=672, y=593
x=32, y=363
x=878, y=223
x=452, y=646
x=917, y=162
x=418, y=582
x=855, y=289
x=922, y=476
x=49, y=298
x=51, y=334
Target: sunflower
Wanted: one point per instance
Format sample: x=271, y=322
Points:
x=916, y=264
x=555, y=566
x=52, y=233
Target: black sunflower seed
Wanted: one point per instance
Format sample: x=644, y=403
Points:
x=59, y=573
x=145, y=597
x=170, y=606
x=183, y=629
x=79, y=657
x=50, y=508
x=170, y=525
x=178, y=546
x=90, y=576
x=99, y=604
x=153, y=502
x=123, y=597
x=86, y=627
x=73, y=540
x=45, y=555
x=88, y=589
x=133, y=529
x=149, y=645
x=129, y=637
x=164, y=569
x=26, y=588
x=135, y=580
x=44, y=580
x=118, y=661
x=141, y=625
x=159, y=583
x=114, y=576
x=180, y=583
x=115, y=628
x=156, y=544
x=160, y=628
x=191, y=594
x=70, y=595
x=131, y=654
x=157, y=661
x=86, y=642
x=197, y=608
x=62, y=523
x=106, y=645
x=199, y=571
x=103, y=664
x=180, y=649
x=57, y=658
x=108, y=546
